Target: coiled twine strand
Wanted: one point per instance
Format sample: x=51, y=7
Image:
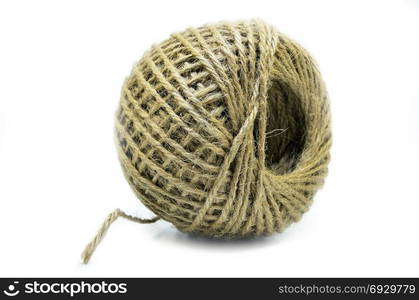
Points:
x=224, y=130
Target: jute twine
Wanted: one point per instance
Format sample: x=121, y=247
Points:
x=223, y=130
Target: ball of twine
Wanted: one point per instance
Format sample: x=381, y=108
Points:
x=224, y=130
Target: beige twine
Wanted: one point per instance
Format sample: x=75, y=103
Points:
x=224, y=130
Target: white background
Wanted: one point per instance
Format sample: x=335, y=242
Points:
x=62, y=65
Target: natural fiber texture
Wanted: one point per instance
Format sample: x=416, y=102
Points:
x=91, y=247
x=224, y=130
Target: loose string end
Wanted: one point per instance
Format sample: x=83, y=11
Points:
x=91, y=247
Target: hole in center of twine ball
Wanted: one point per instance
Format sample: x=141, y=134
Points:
x=285, y=129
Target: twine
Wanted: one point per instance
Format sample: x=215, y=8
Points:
x=223, y=130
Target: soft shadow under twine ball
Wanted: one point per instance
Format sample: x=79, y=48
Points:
x=224, y=130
